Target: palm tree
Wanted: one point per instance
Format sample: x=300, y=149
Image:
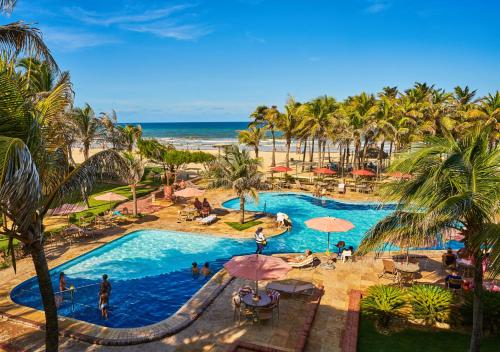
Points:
x=35, y=175
x=236, y=170
x=252, y=137
x=135, y=171
x=455, y=183
x=288, y=124
x=88, y=128
x=487, y=115
x=130, y=135
x=264, y=116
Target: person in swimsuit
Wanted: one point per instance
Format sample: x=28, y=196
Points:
x=62, y=282
x=103, y=304
x=194, y=269
x=205, y=270
x=105, y=286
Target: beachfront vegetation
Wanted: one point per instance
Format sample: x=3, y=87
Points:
x=133, y=175
x=455, y=184
x=237, y=170
x=430, y=304
x=366, y=123
x=384, y=304
x=252, y=137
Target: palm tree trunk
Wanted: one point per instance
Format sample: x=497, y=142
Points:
x=86, y=147
x=390, y=152
x=380, y=156
x=477, y=310
x=273, y=161
x=311, y=150
x=365, y=148
x=47, y=293
x=134, y=199
x=256, y=150
x=242, y=209
x=304, y=152
x=320, y=158
x=356, y=155
x=347, y=156
x=288, y=143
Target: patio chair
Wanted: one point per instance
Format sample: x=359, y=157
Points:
x=454, y=284
x=275, y=300
x=245, y=290
x=341, y=188
x=405, y=278
x=240, y=309
x=300, y=186
x=389, y=270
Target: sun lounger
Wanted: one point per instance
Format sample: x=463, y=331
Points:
x=208, y=219
x=299, y=185
x=309, y=261
x=291, y=288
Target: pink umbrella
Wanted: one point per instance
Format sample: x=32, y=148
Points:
x=110, y=197
x=363, y=172
x=324, y=171
x=329, y=224
x=189, y=192
x=281, y=169
x=257, y=267
x=66, y=209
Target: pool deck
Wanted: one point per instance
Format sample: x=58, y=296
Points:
x=205, y=323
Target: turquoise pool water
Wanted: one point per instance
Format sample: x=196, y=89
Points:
x=150, y=269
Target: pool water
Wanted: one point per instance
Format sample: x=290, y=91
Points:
x=150, y=270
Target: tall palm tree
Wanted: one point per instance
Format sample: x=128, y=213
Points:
x=133, y=175
x=288, y=123
x=487, y=115
x=87, y=126
x=252, y=137
x=264, y=116
x=35, y=175
x=237, y=170
x=455, y=183
x=130, y=135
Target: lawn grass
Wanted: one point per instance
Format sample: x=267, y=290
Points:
x=410, y=340
x=246, y=225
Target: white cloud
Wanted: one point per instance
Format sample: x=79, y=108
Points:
x=167, y=22
x=255, y=39
x=69, y=40
x=377, y=6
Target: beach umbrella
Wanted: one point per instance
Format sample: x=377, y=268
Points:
x=324, y=171
x=189, y=192
x=110, y=197
x=329, y=224
x=66, y=209
x=399, y=174
x=257, y=267
x=363, y=172
x=281, y=169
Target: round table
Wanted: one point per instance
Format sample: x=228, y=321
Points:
x=407, y=267
x=262, y=302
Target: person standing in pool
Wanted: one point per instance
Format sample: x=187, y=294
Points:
x=194, y=269
x=205, y=270
x=62, y=282
x=105, y=286
x=103, y=304
x=260, y=240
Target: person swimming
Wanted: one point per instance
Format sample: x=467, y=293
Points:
x=194, y=269
x=206, y=270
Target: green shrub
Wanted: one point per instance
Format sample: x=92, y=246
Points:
x=384, y=303
x=431, y=304
x=491, y=311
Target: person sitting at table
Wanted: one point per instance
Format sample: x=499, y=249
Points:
x=449, y=259
x=340, y=247
x=182, y=184
x=205, y=271
x=197, y=204
x=206, y=204
x=346, y=253
x=454, y=276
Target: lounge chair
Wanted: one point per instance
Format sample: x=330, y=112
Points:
x=207, y=220
x=291, y=288
x=310, y=261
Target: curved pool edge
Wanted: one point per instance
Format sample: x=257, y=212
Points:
x=101, y=335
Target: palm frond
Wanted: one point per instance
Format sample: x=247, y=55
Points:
x=6, y=6
x=19, y=37
x=19, y=183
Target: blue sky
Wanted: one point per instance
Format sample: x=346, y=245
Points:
x=215, y=60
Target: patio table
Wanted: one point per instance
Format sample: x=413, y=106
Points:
x=407, y=267
x=263, y=301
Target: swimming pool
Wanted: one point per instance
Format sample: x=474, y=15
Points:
x=150, y=270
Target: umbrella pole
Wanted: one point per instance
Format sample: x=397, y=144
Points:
x=328, y=245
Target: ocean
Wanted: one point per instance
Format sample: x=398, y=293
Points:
x=200, y=135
